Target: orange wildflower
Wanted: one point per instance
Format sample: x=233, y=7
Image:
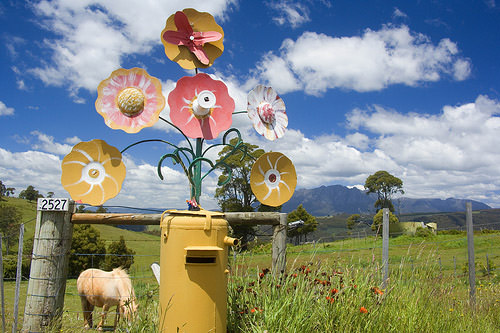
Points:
x=330, y=299
x=363, y=310
x=334, y=291
x=377, y=291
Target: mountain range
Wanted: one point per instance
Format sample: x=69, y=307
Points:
x=337, y=199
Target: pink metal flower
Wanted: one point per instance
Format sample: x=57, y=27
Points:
x=201, y=106
x=130, y=99
x=193, y=40
x=267, y=112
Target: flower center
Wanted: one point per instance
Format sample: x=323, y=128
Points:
x=272, y=178
x=203, y=103
x=131, y=101
x=266, y=112
x=93, y=173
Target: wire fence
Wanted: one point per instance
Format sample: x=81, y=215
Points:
x=449, y=257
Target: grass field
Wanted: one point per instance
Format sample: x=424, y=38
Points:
x=335, y=286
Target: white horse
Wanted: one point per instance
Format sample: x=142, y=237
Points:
x=106, y=289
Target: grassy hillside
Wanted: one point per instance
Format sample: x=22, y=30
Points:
x=146, y=246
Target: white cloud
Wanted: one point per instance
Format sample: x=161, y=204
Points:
x=450, y=154
x=46, y=143
x=392, y=55
x=289, y=13
x=79, y=59
x=5, y=110
x=398, y=13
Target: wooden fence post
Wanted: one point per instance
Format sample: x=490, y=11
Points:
x=279, y=245
x=470, y=247
x=49, y=270
x=385, y=246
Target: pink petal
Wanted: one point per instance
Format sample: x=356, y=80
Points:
x=176, y=37
x=182, y=22
x=202, y=37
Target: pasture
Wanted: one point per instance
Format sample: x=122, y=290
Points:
x=335, y=286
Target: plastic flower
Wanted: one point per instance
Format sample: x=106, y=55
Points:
x=267, y=112
x=201, y=106
x=93, y=172
x=273, y=179
x=192, y=39
x=130, y=99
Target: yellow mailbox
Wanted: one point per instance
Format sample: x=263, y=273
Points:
x=193, y=271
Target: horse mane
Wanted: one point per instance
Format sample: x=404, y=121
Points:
x=122, y=273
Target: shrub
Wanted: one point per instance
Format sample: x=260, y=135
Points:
x=424, y=232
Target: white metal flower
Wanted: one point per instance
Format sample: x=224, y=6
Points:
x=267, y=112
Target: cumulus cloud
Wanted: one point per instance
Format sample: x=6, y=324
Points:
x=75, y=51
x=5, y=110
x=439, y=155
x=46, y=143
x=289, y=13
x=317, y=62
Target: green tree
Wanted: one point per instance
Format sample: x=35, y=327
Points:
x=30, y=194
x=353, y=220
x=3, y=190
x=10, y=219
x=50, y=194
x=236, y=195
x=9, y=191
x=378, y=220
x=101, y=209
x=310, y=223
x=385, y=186
x=87, y=249
x=119, y=255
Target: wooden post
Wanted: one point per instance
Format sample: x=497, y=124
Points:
x=385, y=245
x=18, y=276
x=470, y=247
x=49, y=269
x=279, y=245
x=1, y=286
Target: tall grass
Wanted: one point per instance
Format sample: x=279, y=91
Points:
x=324, y=296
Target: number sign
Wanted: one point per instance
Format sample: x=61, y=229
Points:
x=56, y=204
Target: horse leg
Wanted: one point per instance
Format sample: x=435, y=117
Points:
x=105, y=309
x=87, y=309
x=117, y=315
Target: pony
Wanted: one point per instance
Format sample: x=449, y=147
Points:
x=104, y=290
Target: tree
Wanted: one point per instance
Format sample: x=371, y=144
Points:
x=378, y=220
x=353, y=220
x=10, y=219
x=9, y=191
x=87, y=249
x=50, y=194
x=310, y=223
x=3, y=190
x=385, y=186
x=236, y=195
x=30, y=194
x=101, y=209
x=119, y=255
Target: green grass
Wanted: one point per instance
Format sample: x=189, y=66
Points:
x=427, y=290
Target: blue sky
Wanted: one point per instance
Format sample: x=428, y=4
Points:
x=408, y=87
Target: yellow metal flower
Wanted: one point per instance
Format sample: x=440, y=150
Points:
x=93, y=172
x=273, y=179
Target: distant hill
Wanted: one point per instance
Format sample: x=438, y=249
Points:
x=337, y=199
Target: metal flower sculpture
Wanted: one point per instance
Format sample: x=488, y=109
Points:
x=267, y=112
x=130, y=99
x=201, y=107
x=93, y=172
x=192, y=39
x=273, y=179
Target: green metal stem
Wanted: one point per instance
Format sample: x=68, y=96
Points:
x=196, y=189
